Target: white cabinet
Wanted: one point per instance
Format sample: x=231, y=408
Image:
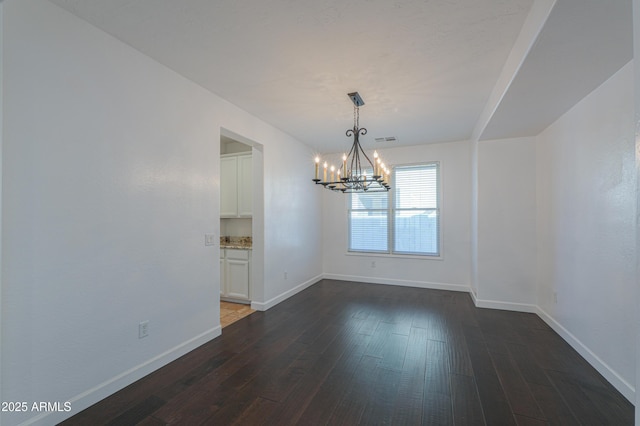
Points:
x=245, y=180
x=235, y=185
x=235, y=278
x=229, y=186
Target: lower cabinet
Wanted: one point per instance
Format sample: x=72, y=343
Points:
x=235, y=277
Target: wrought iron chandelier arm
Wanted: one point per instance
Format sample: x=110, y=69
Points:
x=355, y=179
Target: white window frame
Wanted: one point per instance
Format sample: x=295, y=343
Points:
x=391, y=213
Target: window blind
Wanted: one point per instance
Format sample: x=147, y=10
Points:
x=369, y=222
x=409, y=223
x=416, y=215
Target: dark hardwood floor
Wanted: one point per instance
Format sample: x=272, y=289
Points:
x=352, y=353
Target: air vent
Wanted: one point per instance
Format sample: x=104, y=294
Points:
x=387, y=139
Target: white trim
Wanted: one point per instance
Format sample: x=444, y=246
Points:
x=263, y=306
x=624, y=387
x=405, y=283
x=473, y=296
x=505, y=306
x=393, y=256
x=116, y=383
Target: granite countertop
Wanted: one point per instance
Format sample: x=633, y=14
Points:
x=239, y=243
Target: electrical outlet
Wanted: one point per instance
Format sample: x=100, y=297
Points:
x=373, y=264
x=555, y=297
x=286, y=274
x=143, y=329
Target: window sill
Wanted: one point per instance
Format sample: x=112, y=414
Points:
x=394, y=256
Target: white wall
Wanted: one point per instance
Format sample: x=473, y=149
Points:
x=452, y=271
x=507, y=224
x=110, y=181
x=473, y=225
x=293, y=214
x=586, y=197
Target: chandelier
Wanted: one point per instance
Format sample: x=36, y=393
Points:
x=354, y=178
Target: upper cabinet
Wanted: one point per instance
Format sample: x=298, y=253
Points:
x=229, y=186
x=245, y=180
x=235, y=185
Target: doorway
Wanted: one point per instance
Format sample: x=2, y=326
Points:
x=241, y=226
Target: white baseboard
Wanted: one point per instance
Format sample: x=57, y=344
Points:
x=505, y=306
x=263, y=306
x=109, y=387
x=473, y=296
x=404, y=283
x=624, y=387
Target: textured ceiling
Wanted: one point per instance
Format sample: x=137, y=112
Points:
x=425, y=69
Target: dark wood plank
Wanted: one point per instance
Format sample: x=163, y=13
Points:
x=150, y=421
x=327, y=377
x=617, y=409
x=577, y=401
x=439, y=324
x=552, y=404
x=349, y=410
x=369, y=325
x=437, y=368
x=591, y=403
x=494, y=401
x=238, y=391
x=458, y=353
x=383, y=396
x=467, y=409
x=528, y=421
x=438, y=410
x=388, y=346
x=138, y=413
x=438, y=403
x=516, y=389
x=532, y=321
x=531, y=371
x=256, y=412
x=220, y=385
x=411, y=386
x=185, y=377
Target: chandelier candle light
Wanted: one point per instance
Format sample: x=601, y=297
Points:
x=354, y=178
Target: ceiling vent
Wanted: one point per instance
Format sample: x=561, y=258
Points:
x=387, y=139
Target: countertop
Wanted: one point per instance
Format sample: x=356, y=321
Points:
x=237, y=243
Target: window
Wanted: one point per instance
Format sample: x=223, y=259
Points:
x=405, y=220
x=369, y=222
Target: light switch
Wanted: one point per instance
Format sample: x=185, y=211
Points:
x=209, y=239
